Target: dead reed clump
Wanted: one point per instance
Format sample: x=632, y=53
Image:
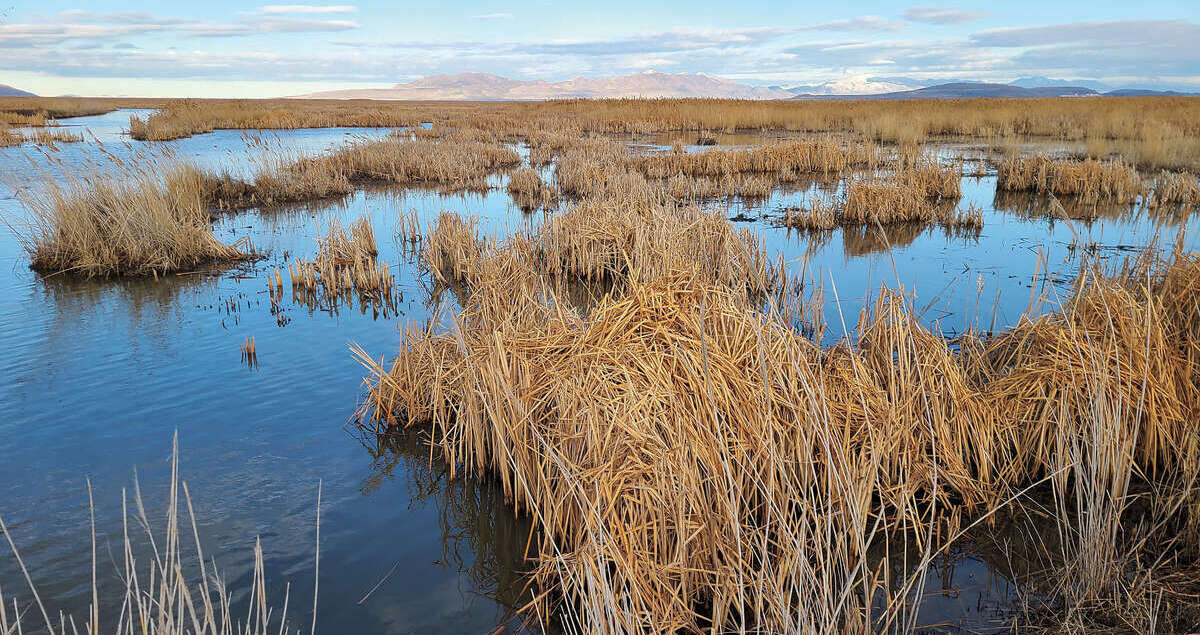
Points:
x=451, y=162
x=1090, y=181
x=824, y=155
x=141, y=222
x=932, y=180
x=955, y=218
x=9, y=138
x=345, y=266
x=695, y=463
x=819, y=214
x=600, y=239
x=53, y=136
x=453, y=247
x=884, y=203
x=283, y=178
x=591, y=414
x=584, y=169
x=529, y=191
x=1173, y=188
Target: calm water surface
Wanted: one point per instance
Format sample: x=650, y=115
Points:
x=96, y=377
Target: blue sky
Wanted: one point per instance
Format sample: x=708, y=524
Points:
x=216, y=48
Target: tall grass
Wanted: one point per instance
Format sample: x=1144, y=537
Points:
x=148, y=220
x=166, y=589
x=1091, y=181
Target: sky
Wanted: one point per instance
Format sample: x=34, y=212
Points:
x=216, y=48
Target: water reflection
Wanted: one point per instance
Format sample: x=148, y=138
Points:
x=481, y=536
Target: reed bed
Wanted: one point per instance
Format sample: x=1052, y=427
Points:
x=695, y=463
x=824, y=155
x=9, y=138
x=1153, y=132
x=819, y=214
x=884, y=203
x=695, y=189
x=150, y=221
x=529, y=191
x=924, y=192
x=38, y=111
x=606, y=239
x=1090, y=181
x=184, y=118
x=345, y=265
x=53, y=136
x=50, y=137
x=164, y=590
x=450, y=164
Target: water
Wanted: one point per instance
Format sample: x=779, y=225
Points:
x=97, y=376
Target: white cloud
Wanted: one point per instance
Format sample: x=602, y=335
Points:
x=942, y=15
x=493, y=16
x=305, y=9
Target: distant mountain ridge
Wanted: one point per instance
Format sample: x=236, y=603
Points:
x=9, y=91
x=974, y=90
x=653, y=84
x=856, y=85
x=487, y=87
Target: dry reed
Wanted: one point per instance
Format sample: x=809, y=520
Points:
x=166, y=590
x=144, y=223
x=529, y=191
x=345, y=265
x=695, y=463
x=1091, y=181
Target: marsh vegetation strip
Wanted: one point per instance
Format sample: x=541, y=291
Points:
x=95, y=370
x=1152, y=132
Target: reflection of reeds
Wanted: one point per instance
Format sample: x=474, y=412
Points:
x=864, y=240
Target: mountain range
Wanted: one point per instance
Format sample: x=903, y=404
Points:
x=9, y=91
x=653, y=84
x=975, y=90
x=487, y=87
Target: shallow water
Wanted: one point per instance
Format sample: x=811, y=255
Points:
x=95, y=377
